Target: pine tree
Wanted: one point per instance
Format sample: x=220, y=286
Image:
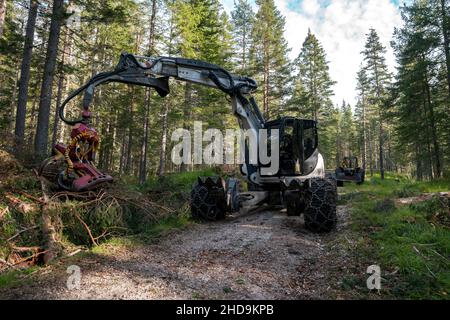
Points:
x=243, y=19
x=269, y=57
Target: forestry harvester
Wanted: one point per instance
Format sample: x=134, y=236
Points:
x=349, y=171
x=300, y=184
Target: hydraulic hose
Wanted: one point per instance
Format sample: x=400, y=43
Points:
x=93, y=80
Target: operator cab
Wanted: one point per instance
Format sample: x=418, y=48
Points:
x=298, y=145
x=349, y=162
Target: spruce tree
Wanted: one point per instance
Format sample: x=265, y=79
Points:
x=315, y=78
x=313, y=92
x=378, y=78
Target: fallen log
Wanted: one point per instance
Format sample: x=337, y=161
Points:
x=421, y=198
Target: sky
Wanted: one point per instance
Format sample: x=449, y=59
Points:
x=341, y=27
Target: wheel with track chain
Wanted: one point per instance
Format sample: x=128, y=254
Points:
x=320, y=200
x=208, y=200
x=294, y=204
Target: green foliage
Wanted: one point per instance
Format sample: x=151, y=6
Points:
x=421, y=89
x=172, y=223
x=10, y=57
x=176, y=182
x=14, y=277
x=345, y=136
x=384, y=206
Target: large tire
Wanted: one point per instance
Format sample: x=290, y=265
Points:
x=207, y=202
x=294, y=204
x=363, y=175
x=275, y=198
x=320, y=200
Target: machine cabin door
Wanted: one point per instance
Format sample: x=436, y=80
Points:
x=291, y=149
x=309, y=145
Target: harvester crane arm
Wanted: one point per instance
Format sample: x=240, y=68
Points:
x=154, y=72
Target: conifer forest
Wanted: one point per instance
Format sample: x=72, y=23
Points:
x=396, y=123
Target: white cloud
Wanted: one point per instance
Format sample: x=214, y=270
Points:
x=310, y=7
x=341, y=27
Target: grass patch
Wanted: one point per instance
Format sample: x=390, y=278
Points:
x=411, y=242
x=176, y=181
x=150, y=234
x=13, y=278
x=173, y=222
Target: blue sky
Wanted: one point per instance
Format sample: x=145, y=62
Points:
x=341, y=26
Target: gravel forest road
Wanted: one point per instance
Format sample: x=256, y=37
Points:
x=259, y=255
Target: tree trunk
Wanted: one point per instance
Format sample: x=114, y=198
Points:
x=113, y=142
x=381, y=141
x=446, y=36
x=2, y=16
x=128, y=159
x=49, y=234
x=13, y=100
x=436, y=147
x=187, y=113
x=266, y=81
x=419, y=172
x=244, y=51
x=165, y=114
x=41, y=141
x=32, y=120
x=122, y=154
x=25, y=74
x=144, y=147
x=151, y=42
x=104, y=146
x=61, y=80
x=370, y=154
x=163, y=140
x=364, y=157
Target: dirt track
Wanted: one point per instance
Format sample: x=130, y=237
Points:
x=265, y=255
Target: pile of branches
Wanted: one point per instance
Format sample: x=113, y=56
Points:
x=91, y=216
x=66, y=221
